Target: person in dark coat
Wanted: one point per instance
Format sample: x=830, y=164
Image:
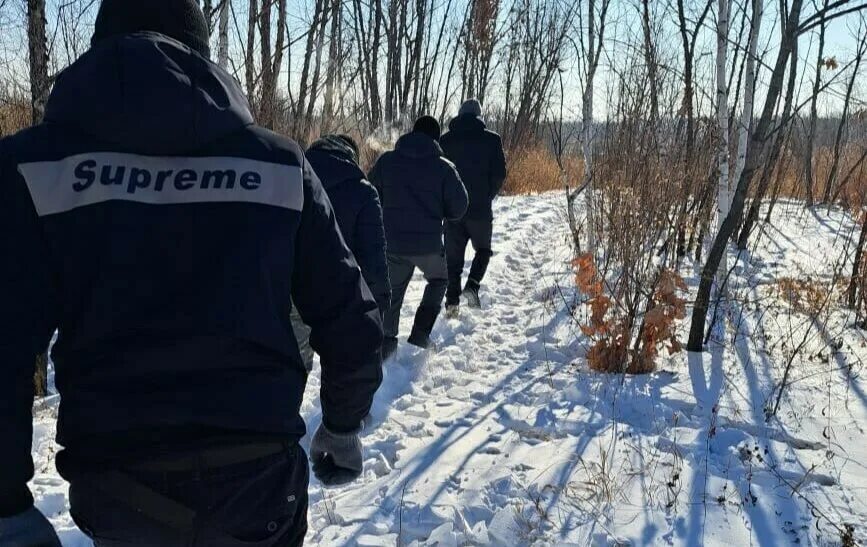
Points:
x=478, y=155
x=356, y=204
x=334, y=159
x=419, y=189
x=164, y=236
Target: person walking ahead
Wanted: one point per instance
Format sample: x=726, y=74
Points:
x=334, y=158
x=478, y=155
x=163, y=234
x=419, y=189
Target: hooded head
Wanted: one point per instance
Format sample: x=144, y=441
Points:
x=181, y=20
x=150, y=94
x=471, y=107
x=350, y=142
x=427, y=125
x=334, y=158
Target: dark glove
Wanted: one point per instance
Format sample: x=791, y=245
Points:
x=337, y=457
x=28, y=529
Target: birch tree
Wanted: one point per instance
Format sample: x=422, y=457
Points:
x=592, y=53
x=755, y=154
x=722, y=113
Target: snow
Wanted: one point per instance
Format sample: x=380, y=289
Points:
x=503, y=436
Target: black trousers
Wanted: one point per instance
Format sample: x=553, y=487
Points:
x=258, y=503
x=458, y=235
x=400, y=271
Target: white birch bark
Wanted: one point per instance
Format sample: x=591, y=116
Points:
x=587, y=129
x=746, y=121
x=722, y=111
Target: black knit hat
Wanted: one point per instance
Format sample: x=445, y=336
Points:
x=428, y=126
x=182, y=20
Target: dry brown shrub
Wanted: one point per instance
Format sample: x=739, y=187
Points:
x=611, y=328
x=535, y=170
x=14, y=116
x=806, y=296
x=790, y=169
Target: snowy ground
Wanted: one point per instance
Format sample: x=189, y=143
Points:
x=503, y=437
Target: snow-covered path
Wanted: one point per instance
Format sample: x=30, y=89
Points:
x=501, y=436
x=447, y=424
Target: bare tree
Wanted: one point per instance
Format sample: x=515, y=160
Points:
x=755, y=154
x=38, y=55
x=844, y=116
x=478, y=40
x=722, y=112
x=223, y=39
x=809, y=144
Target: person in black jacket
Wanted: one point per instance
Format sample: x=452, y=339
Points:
x=478, y=155
x=163, y=236
x=419, y=189
x=334, y=159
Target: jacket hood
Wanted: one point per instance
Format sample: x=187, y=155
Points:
x=150, y=94
x=332, y=162
x=418, y=145
x=467, y=122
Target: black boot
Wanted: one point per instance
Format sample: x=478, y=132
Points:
x=425, y=318
x=389, y=346
x=471, y=294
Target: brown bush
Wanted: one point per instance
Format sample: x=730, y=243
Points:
x=790, y=169
x=14, y=116
x=611, y=327
x=805, y=296
x=535, y=170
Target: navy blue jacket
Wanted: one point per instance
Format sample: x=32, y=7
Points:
x=359, y=214
x=163, y=234
x=478, y=155
x=419, y=189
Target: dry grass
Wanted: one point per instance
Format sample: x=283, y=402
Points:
x=535, y=170
x=14, y=116
x=790, y=169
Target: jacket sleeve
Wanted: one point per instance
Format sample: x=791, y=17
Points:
x=333, y=299
x=375, y=176
x=370, y=235
x=498, y=166
x=26, y=326
x=455, y=196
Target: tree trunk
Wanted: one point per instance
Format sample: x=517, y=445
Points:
x=844, y=119
x=852, y=291
x=809, y=146
x=223, y=44
x=755, y=154
x=587, y=124
x=208, y=12
x=249, y=64
x=722, y=112
x=38, y=56
x=650, y=61
x=773, y=157
x=333, y=64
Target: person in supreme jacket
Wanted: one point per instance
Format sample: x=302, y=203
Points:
x=163, y=236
